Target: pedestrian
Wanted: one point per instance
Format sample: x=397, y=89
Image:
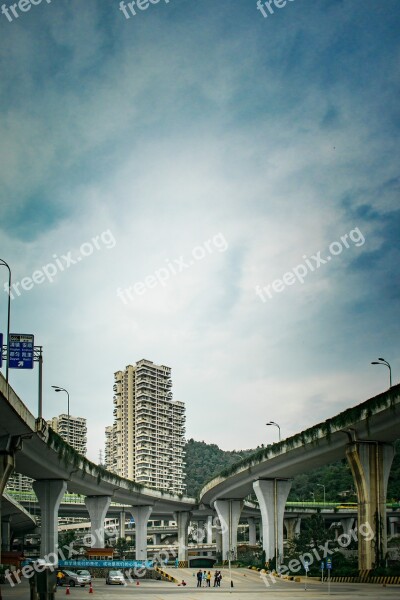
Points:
x=199, y=578
x=204, y=579
x=215, y=578
x=208, y=578
x=219, y=579
x=176, y=563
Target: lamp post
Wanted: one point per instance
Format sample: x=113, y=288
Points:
x=276, y=425
x=57, y=388
x=322, y=485
x=4, y=264
x=384, y=362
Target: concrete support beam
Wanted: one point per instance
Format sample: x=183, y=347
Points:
x=252, y=531
x=141, y=514
x=370, y=463
x=209, y=529
x=292, y=525
x=156, y=539
x=272, y=495
x=6, y=534
x=347, y=524
x=49, y=493
x=182, y=519
x=200, y=532
x=122, y=518
x=97, y=507
x=228, y=512
x=394, y=526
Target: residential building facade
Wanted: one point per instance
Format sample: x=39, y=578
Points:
x=72, y=429
x=148, y=435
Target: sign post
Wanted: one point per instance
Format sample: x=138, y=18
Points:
x=322, y=571
x=1, y=350
x=328, y=568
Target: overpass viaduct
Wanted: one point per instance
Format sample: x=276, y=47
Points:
x=364, y=434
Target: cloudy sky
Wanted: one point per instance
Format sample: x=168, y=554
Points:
x=210, y=189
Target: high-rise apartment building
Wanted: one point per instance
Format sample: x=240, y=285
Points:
x=148, y=435
x=72, y=429
x=110, y=449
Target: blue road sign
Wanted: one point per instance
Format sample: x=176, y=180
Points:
x=329, y=564
x=21, y=351
x=1, y=350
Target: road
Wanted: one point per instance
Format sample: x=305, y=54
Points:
x=246, y=583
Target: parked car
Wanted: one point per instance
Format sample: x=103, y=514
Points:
x=72, y=579
x=85, y=575
x=115, y=578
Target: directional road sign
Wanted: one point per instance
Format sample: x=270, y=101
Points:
x=1, y=350
x=329, y=564
x=21, y=351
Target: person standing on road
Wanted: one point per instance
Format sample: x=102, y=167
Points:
x=208, y=579
x=199, y=577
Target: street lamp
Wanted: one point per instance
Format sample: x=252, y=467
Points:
x=322, y=485
x=276, y=425
x=384, y=362
x=57, y=388
x=4, y=264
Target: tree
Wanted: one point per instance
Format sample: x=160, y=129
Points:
x=122, y=546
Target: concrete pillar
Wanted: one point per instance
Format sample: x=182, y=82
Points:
x=6, y=468
x=228, y=512
x=347, y=524
x=49, y=493
x=209, y=529
x=156, y=539
x=97, y=508
x=393, y=522
x=182, y=519
x=292, y=525
x=201, y=532
x=252, y=531
x=141, y=514
x=122, y=518
x=272, y=495
x=370, y=463
x=218, y=541
x=6, y=534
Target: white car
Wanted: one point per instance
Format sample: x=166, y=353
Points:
x=115, y=578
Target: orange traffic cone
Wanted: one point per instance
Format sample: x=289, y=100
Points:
x=90, y=588
x=67, y=592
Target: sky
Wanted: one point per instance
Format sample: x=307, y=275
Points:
x=208, y=188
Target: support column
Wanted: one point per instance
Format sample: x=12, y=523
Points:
x=141, y=514
x=122, y=517
x=252, y=531
x=370, y=463
x=182, y=519
x=6, y=534
x=156, y=539
x=200, y=532
x=97, y=508
x=228, y=512
x=218, y=541
x=49, y=493
x=272, y=495
x=209, y=529
x=347, y=524
x=292, y=525
x=393, y=522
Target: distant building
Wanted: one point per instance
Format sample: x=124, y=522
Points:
x=110, y=449
x=74, y=433
x=148, y=435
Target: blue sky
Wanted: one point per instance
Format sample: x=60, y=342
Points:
x=185, y=122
